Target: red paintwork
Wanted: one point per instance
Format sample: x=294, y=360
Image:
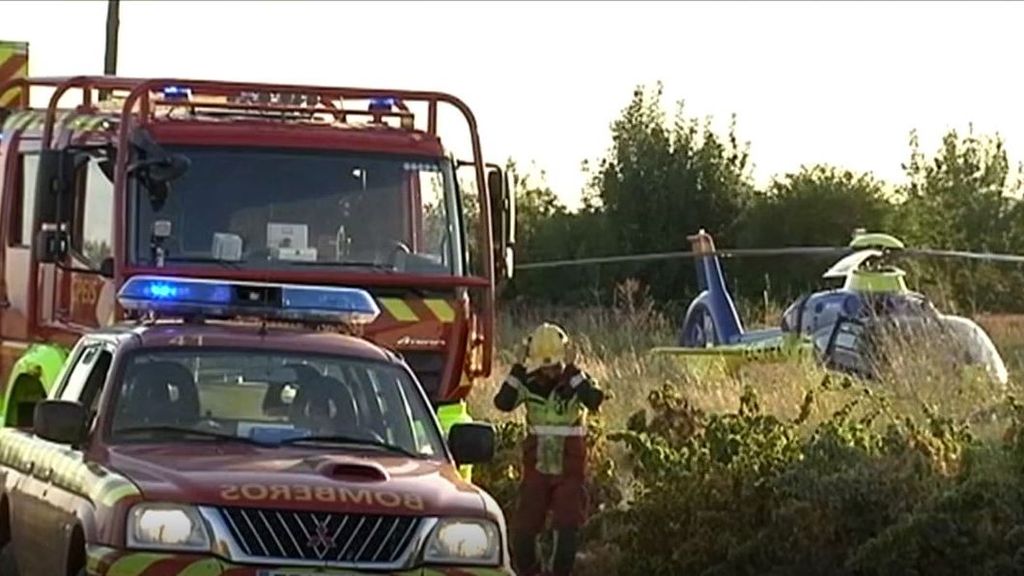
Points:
x=231, y=335
x=473, y=327
x=277, y=135
x=199, y=473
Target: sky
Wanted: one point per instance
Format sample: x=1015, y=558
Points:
x=810, y=82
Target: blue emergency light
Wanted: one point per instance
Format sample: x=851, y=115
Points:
x=177, y=93
x=222, y=298
x=382, y=104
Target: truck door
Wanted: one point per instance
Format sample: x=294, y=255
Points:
x=19, y=192
x=42, y=506
x=82, y=295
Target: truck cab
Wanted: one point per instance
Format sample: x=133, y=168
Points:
x=194, y=441
x=246, y=182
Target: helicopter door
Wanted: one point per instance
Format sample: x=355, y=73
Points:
x=847, y=349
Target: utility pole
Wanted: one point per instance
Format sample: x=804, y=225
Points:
x=110, y=57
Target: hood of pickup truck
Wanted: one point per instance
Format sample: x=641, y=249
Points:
x=293, y=478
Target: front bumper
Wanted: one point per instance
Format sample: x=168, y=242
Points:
x=104, y=561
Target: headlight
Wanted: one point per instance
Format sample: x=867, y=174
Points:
x=167, y=526
x=464, y=541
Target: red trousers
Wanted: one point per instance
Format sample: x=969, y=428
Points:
x=564, y=495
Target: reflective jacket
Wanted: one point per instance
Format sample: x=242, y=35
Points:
x=556, y=413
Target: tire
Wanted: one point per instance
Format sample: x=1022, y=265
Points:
x=8, y=564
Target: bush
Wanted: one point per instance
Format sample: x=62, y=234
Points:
x=788, y=474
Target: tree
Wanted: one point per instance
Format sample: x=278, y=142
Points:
x=660, y=183
x=964, y=198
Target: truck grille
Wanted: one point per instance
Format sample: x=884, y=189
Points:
x=321, y=536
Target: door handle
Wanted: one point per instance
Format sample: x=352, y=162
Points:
x=44, y=473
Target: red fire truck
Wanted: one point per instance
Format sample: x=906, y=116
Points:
x=117, y=177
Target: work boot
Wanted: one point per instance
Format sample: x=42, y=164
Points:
x=524, y=554
x=565, y=552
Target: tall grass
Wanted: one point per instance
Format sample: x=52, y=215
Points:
x=920, y=392
x=613, y=344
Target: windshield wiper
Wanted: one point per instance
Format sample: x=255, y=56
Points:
x=346, y=264
x=174, y=430
x=352, y=440
x=204, y=260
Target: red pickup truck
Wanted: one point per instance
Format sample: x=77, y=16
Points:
x=193, y=442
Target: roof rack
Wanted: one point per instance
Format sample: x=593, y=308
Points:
x=145, y=97
x=141, y=99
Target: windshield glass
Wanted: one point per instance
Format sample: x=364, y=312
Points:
x=268, y=398
x=977, y=346
x=270, y=208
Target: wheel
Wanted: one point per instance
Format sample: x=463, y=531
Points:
x=8, y=563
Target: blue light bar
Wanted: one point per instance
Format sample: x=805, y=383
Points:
x=302, y=301
x=382, y=104
x=177, y=93
x=222, y=298
x=176, y=291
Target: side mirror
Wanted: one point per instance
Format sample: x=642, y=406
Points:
x=61, y=421
x=166, y=168
x=471, y=443
x=503, y=218
x=53, y=182
x=50, y=244
x=107, y=267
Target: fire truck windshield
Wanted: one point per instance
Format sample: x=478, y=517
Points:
x=272, y=399
x=271, y=208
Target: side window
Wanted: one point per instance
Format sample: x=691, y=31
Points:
x=93, y=216
x=75, y=383
x=24, y=208
x=435, y=236
x=88, y=375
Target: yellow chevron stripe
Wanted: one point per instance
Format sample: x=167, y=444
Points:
x=134, y=564
x=10, y=97
x=399, y=309
x=441, y=308
x=205, y=567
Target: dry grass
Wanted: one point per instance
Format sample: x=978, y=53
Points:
x=613, y=343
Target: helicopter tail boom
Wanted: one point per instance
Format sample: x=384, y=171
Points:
x=714, y=305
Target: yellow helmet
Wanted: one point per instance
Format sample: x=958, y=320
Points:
x=546, y=346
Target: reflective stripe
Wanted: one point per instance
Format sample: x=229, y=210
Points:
x=442, y=309
x=577, y=380
x=207, y=567
x=515, y=383
x=399, y=309
x=134, y=564
x=562, y=431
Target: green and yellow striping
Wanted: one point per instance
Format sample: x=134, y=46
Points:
x=35, y=119
x=401, y=310
x=63, y=467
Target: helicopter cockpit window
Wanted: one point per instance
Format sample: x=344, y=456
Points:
x=976, y=345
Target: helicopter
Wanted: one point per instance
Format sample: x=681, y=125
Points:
x=842, y=328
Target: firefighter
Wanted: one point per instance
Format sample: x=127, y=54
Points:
x=557, y=395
